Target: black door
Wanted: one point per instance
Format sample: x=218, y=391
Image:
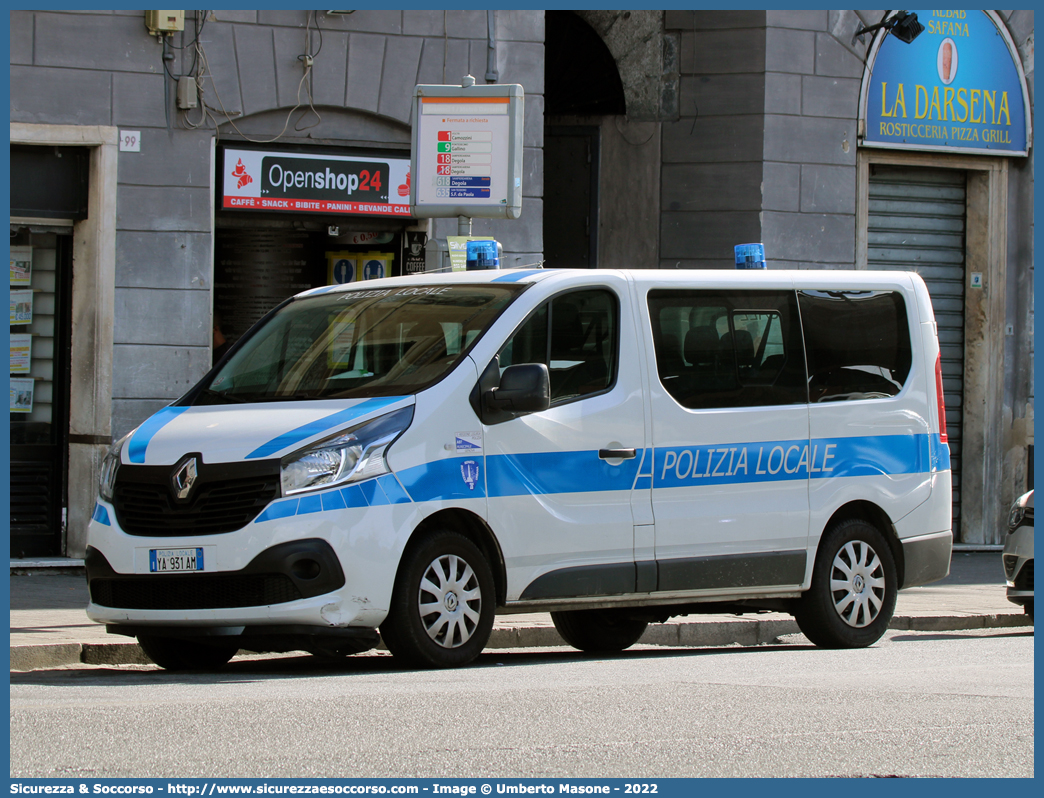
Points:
x=571, y=197
x=41, y=281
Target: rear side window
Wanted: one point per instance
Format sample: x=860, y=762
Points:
x=728, y=348
x=858, y=344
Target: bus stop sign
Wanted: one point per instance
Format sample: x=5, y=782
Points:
x=466, y=157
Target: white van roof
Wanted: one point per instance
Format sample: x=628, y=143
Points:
x=655, y=278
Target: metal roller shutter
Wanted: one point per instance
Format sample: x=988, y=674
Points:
x=917, y=223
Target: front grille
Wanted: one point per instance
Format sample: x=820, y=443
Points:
x=225, y=498
x=194, y=592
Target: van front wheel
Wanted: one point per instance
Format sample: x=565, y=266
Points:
x=598, y=630
x=442, y=607
x=854, y=585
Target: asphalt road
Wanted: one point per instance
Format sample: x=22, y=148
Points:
x=916, y=704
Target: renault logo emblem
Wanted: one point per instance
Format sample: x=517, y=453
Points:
x=184, y=477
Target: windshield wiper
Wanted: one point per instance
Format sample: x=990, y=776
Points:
x=224, y=397
x=292, y=397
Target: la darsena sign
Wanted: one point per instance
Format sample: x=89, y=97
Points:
x=957, y=86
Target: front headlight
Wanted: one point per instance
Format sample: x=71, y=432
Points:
x=1015, y=516
x=110, y=465
x=351, y=455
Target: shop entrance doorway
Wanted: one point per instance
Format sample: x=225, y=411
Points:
x=41, y=282
x=258, y=264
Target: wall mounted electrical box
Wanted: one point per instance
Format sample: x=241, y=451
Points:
x=187, y=94
x=160, y=22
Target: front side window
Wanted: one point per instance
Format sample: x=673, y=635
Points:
x=575, y=336
x=728, y=348
x=858, y=344
x=359, y=343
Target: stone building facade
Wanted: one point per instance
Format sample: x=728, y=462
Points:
x=652, y=139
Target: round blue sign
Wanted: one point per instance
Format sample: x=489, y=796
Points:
x=373, y=269
x=343, y=271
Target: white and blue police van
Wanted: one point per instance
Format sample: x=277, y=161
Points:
x=402, y=459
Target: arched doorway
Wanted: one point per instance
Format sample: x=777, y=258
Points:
x=581, y=86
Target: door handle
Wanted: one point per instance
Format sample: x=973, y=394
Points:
x=623, y=454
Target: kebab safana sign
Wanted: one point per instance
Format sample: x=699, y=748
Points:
x=959, y=86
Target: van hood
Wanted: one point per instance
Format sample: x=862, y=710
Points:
x=243, y=432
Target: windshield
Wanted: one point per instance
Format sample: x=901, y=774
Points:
x=353, y=344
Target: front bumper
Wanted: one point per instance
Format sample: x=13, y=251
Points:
x=278, y=638
x=1018, y=565
x=321, y=561
x=284, y=573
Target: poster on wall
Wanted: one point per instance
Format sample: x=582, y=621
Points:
x=413, y=254
x=22, y=396
x=21, y=265
x=295, y=182
x=21, y=307
x=21, y=353
x=958, y=87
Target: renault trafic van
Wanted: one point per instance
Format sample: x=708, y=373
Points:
x=405, y=458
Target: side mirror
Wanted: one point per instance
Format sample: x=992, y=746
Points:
x=525, y=388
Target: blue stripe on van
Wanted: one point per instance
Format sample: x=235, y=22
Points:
x=674, y=467
x=393, y=490
x=353, y=497
x=375, y=497
x=372, y=493
x=295, y=436
x=444, y=480
x=312, y=503
x=332, y=500
x=146, y=432
x=514, y=277
x=556, y=472
x=101, y=515
x=584, y=472
x=277, y=510
x=775, y=461
x=940, y=454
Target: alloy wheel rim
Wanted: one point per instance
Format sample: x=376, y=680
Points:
x=857, y=584
x=450, y=601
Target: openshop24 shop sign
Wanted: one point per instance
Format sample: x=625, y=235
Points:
x=314, y=183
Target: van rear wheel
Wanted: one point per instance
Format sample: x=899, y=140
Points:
x=443, y=604
x=598, y=630
x=174, y=654
x=854, y=585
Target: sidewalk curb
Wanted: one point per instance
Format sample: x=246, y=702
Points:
x=686, y=634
